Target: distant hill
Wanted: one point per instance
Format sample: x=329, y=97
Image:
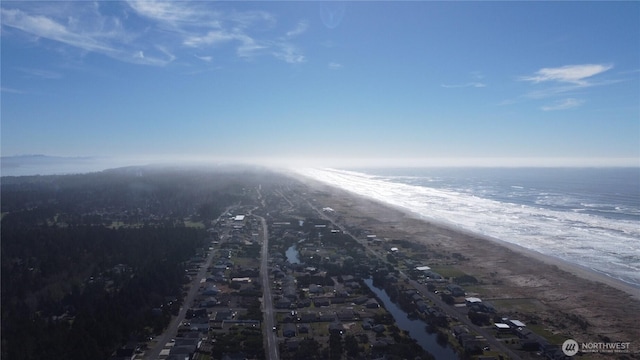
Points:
x=23, y=165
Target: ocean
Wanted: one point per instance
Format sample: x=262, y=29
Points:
x=586, y=216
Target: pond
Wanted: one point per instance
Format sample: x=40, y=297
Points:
x=415, y=327
x=292, y=255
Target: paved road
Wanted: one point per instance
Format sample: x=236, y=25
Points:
x=172, y=329
x=267, y=300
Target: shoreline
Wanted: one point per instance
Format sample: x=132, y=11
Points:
x=566, y=265
x=565, y=291
x=582, y=271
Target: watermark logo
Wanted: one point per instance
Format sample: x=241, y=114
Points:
x=570, y=347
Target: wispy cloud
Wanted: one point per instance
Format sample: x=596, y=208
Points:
x=563, y=104
x=335, y=66
x=203, y=28
x=299, y=29
x=11, y=90
x=205, y=58
x=94, y=33
x=571, y=74
x=476, y=82
x=44, y=27
x=40, y=73
x=470, y=84
x=564, y=83
x=156, y=32
x=174, y=13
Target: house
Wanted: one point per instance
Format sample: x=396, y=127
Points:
x=455, y=290
x=211, y=290
x=484, y=307
x=200, y=324
x=459, y=330
x=283, y=303
x=308, y=317
x=432, y=275
x=517, y=324
x=193, y=313
x=326, y=317
x=378, y=328
x=347, y=278
x=223, y=315
x=422, y=306
x=288, y=330
x=336, y=328
x=209, y=302
x=346, y=315
x=523, y=333
x=360, y=300
x=303, y=328
x=321, y=301
x=352, y=285
x=372, y=304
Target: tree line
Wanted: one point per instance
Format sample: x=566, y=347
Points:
x=76, y=283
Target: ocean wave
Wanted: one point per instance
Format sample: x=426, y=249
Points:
x=579, y=237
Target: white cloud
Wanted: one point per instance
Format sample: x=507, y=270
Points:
x=95, y=33
x=564, y=81
x=172, y=13
x=300, y=29
x=471, y=84
x=335, y=66
x=205, y=58
x=564, y=104
x=572, y=74
x=289, y=54
x=153, y=32
x=214, y=37
x=44, y=27
x=40, y=73
x=11, y=90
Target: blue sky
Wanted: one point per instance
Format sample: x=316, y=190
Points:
x=403, y=83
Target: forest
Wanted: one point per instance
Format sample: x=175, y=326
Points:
x=93, y=261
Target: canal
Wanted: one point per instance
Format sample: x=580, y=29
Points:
x=415, y=327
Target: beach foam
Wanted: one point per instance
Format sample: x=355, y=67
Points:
x=607, y=245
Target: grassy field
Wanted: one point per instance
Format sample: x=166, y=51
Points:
x=194, y=224
x=448, y=271
x=523, y=305
x=556, y=339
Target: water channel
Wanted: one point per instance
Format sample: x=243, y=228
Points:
x=415, y=327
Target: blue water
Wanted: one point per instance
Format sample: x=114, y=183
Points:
x=415, y=327
x=612, y=193
x=587, y=216
x=293, y=257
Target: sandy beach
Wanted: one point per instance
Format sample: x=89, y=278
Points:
x=566, y=299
